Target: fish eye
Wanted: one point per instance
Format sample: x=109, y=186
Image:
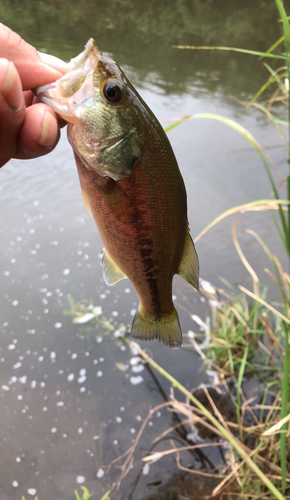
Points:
x=113, y=92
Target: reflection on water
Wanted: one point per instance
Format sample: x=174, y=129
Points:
x=141, y=35
x=67, y=408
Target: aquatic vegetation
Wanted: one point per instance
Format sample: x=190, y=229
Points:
x=234, y=335
x=86, y=494
x=84, y=311
x=106, y=496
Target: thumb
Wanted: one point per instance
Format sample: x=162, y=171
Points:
x=32, y=70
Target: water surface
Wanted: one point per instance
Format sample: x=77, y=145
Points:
x=67, y=408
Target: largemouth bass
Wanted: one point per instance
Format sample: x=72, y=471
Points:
x=131, y=186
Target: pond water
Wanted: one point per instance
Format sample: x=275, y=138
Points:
x=71, y=401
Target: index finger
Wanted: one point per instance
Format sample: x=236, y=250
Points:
x=32, y=70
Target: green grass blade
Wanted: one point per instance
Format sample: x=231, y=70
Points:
x=285, y=396
x=286, y=27
x=276, y=44
x=236, y=126
x=286, y=373
x=282, y=122
x=233, y=49
x=242, y=367
x=288, y=194
x=86, y=494
x=106, y=496
x=273, y=119
x=253, y=205
x=260, y=91
x=185, y=119
x=271, y=257
x=277, y=77
x=239, y=383
x=268, y=306
x=257, y=147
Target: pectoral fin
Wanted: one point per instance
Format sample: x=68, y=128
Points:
x=86, y=203
x=189, y=267
x=111, y=273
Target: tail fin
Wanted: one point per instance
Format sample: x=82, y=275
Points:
x=166, y=329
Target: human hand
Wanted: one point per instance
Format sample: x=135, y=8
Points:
x=27, y=128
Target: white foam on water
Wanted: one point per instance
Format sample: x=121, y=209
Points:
x=136, y=380
x=31, y=491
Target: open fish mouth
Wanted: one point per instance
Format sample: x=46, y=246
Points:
x=60, y=95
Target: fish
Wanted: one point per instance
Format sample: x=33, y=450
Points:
x=131, y=185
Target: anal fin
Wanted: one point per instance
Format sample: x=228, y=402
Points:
x=189, y=266
x=111, y=272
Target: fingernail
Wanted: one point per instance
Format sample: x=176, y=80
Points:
x=47, y=139
x=11, y=90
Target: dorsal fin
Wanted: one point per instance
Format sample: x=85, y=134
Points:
x=111, y=272
x=189, y=267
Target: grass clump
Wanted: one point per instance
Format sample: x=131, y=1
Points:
x=86, y=495
x=236, y=327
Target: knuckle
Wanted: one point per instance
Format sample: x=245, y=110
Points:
x=9, y=37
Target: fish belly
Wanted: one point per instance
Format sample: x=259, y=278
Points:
x=143, y=225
